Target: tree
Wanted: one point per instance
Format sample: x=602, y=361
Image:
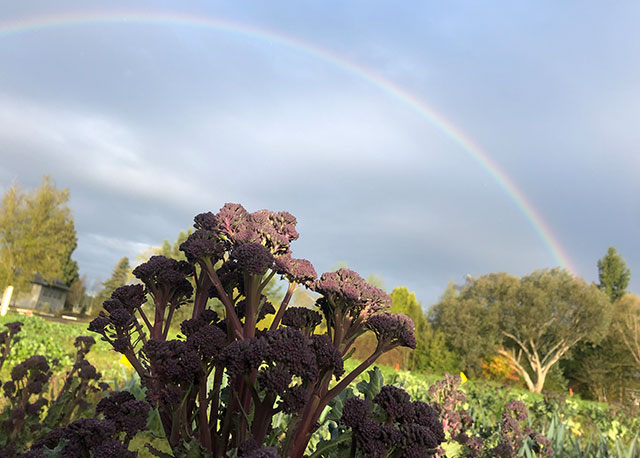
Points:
x=614, y=274
x=37, y=235
x=601, y=371
x=430, y=353
x=77, y=294
x=470, y=328
x=537, y=319
x=118, y=278
x=626, y=321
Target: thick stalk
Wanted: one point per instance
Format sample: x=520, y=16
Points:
x=232, y=317
x=302, y=435
x=160, y=304
x=145, y=319
x=205, y=434
x=202, y=294
x=252, y=283
x=232, y=407
x=215, y=401
x=262, y=418
x=304, y=432
x=346, y=381
x=283, y=306
x=167, y=323
x=133, y=359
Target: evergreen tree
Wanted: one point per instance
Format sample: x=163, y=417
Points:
x=614, y=274
x=37, y=235
x=599, y=371
x=118, y=278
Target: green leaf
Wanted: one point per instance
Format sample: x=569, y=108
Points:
x=155, y=452
x=195, y=450
x=325, y=447
x=371, y=388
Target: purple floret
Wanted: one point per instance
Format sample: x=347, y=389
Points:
x=296, y=270
x=301, y=318
x=327, y=355
x=202, y=244
x=231, y=219
x=173, y=361
x=86, y=370
x=127, y=413
x=294, y=399
x=351, y=292
x=167, y=277
x=372, y=438
x=275, y=379
x=14, y=327
x=207, y=221
x=251, y=449
x=517, y=409
x=253, y=258
x=84, y=342
x=131, y=296
x=85, y=435
x=35, y=366
x=413, y=429
x=354, y=411
x=113, y=448
x=392, y=329
x=394, y=401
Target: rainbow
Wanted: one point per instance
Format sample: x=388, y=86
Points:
x=50, y=21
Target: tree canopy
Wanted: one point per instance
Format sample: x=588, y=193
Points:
x=533, y=321
x=37, y=235
x=614, y=274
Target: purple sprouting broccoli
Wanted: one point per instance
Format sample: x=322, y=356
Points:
x=166, y=280
x=514, y=431
x=8, y=338
x=301, y=318
x=25, y=400
x=87, y=437
x=253, y=258
x=174, y=366
x=252, y=449
x=29, y=391
x=127, y=413
x=347, y=302
x=392, y=330
x=231, y=258
x=295, y=270
x=328, y=357
x=406, y=428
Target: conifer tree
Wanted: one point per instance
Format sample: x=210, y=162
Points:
x=614, y=274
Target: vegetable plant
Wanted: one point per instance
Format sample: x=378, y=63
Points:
x=219, y=385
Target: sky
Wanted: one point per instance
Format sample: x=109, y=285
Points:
x=419, y=141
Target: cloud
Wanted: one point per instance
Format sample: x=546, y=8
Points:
x=153, y=124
